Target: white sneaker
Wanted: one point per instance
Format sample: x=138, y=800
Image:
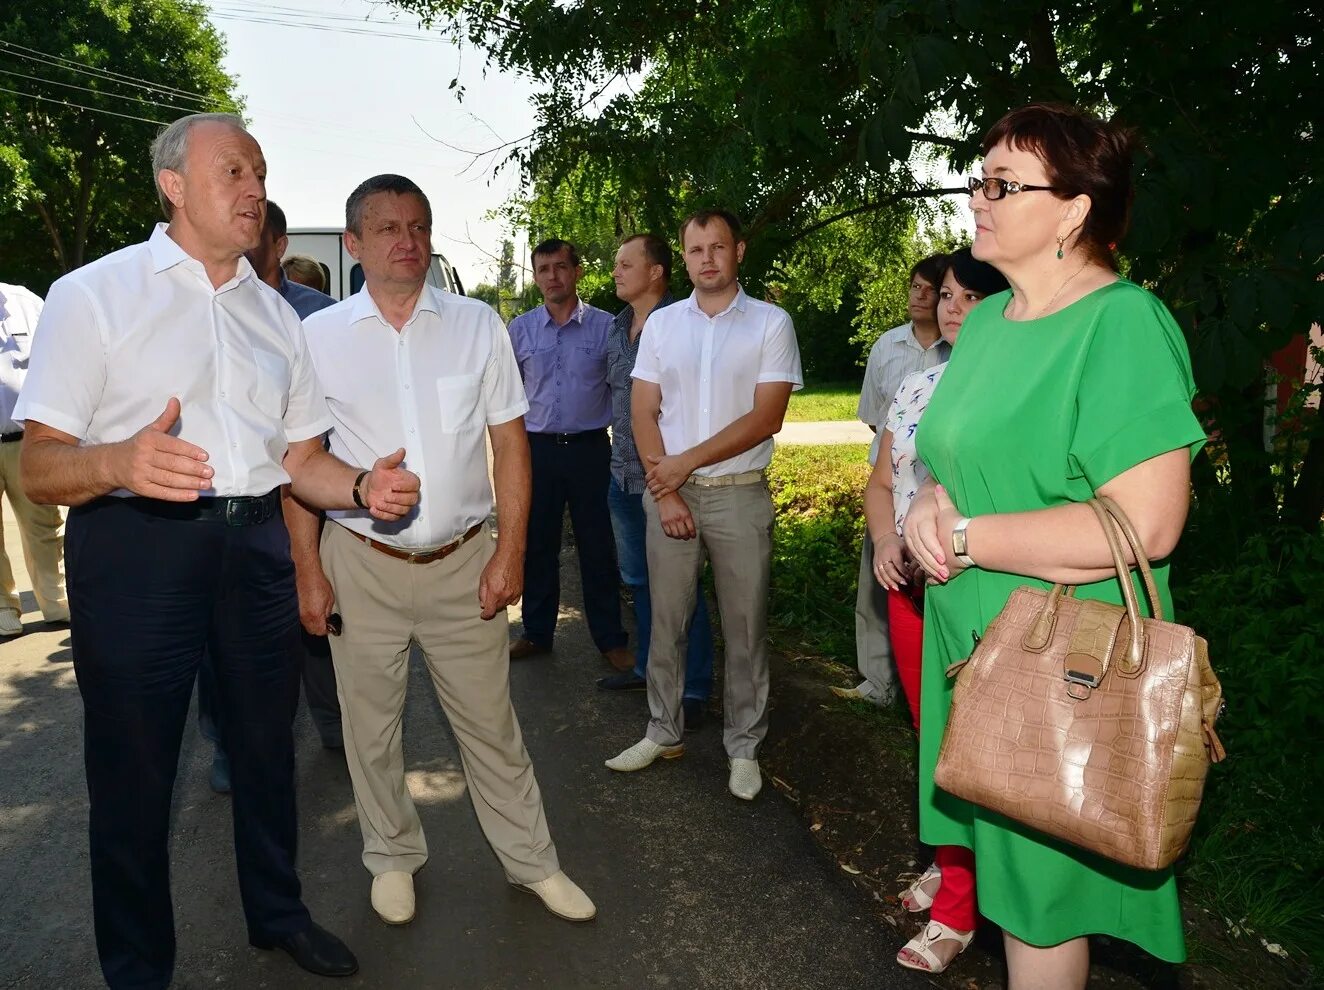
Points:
x=393, y=897
x=561, y=896
x=863, y=692
x=746, y=781
x=642, y=754
x=10, y=623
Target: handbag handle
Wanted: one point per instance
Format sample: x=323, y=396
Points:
x=1138, y=551
x=1132, y=661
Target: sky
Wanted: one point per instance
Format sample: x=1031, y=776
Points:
x=339, y=90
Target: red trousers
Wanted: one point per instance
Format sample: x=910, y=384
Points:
x=955, y=906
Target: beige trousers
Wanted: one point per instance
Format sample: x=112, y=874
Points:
x=734, y=527
x=41, y=529
x=873, y=634
x=386, y=605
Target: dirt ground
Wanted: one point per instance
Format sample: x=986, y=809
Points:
x=849, y=768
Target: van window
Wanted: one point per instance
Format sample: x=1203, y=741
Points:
x=356, y=278
x=326, y=277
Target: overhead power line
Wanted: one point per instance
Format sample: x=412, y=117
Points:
x=96, y=92
x=82, y=68
x=79, y=106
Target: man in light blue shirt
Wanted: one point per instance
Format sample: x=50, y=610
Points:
x=561, y=347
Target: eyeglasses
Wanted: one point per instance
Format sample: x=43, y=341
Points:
x=995, y=188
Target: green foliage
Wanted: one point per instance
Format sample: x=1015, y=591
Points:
x=834, y=401
x=816, y=547
x=78, y=182
x=1258, y=854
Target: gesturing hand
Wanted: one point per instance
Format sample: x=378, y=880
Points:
x=389, y=491
x=154, y=464
x=674, y=513
x=667, y=474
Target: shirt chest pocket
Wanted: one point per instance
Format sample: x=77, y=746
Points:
x=458, y=402
x=271, y=384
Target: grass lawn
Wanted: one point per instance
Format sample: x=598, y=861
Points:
x=821, y=403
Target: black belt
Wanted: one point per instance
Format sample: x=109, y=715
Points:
x=571, y=437
x=11, y=437
x=233, y=510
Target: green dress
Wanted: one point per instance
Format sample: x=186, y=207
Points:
x=1030, y=415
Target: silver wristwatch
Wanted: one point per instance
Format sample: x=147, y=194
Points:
x=959, y=546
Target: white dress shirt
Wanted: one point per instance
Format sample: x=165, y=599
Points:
x=432, y=388
x=893, y=356
x=122, y=335
x=708, y=367
x=19, y=310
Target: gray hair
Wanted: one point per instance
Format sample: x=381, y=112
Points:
x=388, y=182
x=170, y=149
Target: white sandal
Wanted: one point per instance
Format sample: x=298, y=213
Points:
x=919, y=898
x=934, y=932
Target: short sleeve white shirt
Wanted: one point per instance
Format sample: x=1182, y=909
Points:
x=119, y=337
x=19, y=310
x=708, y=368
x=893, y=356
x=432, y=388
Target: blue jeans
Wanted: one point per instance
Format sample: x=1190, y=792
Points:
x=627, y=522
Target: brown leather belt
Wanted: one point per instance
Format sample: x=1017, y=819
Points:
x=422, y=557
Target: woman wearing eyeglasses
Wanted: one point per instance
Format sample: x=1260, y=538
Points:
x=947, y=888
x=1075, y=382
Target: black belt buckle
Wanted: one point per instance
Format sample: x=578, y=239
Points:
x=563, y=438
x=247, y=510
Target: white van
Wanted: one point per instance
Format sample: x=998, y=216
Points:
x=344, y=275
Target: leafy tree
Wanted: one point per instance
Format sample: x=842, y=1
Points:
x=801, y=114
x=87, y=83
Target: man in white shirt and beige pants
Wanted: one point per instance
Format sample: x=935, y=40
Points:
x=40, y=527
x=404, y=363
x=711, y=384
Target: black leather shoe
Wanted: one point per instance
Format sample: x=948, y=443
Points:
x=626, y=680
x=693, y=708
x=314, y=949
x=522, y=649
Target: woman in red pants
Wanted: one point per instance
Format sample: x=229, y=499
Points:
x=947, y=887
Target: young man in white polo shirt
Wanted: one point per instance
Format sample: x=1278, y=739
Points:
x=402, y=362
x=711, y=384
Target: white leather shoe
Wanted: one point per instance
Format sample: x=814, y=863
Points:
x=746, y=781
x=561, y=896
x=642, y=754
x=393, y=897
x=10, y=623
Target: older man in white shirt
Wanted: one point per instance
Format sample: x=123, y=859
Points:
x=175, y=543
x=913, y=346
x=40, y=527
x=406, y=364
x=711, y=384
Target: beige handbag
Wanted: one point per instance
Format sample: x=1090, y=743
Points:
x=1085, y=721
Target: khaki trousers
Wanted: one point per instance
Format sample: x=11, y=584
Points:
x=41, y=529
x=386, y=604
x=873, y=635
x=734, y=527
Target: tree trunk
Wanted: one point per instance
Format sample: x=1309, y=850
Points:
x=57, y=243
x=1305, y=502
x=86, y=181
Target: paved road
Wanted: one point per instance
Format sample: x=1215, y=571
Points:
x=695, y=889
x=845, y=431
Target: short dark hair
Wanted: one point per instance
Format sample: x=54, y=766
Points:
x=930, y=269
x=387, y=182
x=1082, y=155
x=705, y=217
x=657, y=250
x=275, y=224
x=554, y=245
x=974, y=274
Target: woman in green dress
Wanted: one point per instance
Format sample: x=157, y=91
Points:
x=1101, y=403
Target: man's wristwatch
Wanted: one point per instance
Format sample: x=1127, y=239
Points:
x=959, y=546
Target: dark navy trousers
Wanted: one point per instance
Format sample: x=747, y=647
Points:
x=572, y=471
x=148, y=596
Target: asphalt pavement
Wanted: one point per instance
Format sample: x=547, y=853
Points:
x=694, y=888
